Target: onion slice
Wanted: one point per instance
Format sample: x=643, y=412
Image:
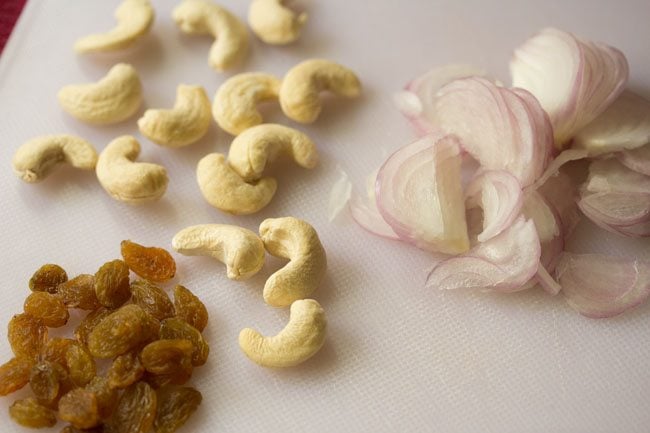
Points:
x=548, y=226
x=366, y=214
x=417, y=101
x=599, y=286
x=609, y=175
x=624, y=125
x=575, y=80
x=499, y=194
x=419, y=194
x=554, y=167
x=623, y=213
x=637, y=159
x=504, y=263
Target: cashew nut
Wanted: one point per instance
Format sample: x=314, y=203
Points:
x=35, y=158
x=296, y=240
x=134, y=18
x=224, y=189
x=260, y=145
x=274, y=23
x=299, y=93
x=186, y=123
x=235, y=103
x=110, y=100
x=201, y=17
x=126, y=180
x=241, y=250
x=300, y=339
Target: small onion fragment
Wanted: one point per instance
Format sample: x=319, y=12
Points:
x=504, y=263
x=554, y=167
x=637, y=159
x=627, y=214
x=339, y=195
x=366, y=214
x=609, y=175
x=599, y=286
x=548, y=226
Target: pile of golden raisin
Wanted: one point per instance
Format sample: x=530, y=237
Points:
x=153, y=343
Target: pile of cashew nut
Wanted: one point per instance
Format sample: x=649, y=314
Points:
x=243, y=253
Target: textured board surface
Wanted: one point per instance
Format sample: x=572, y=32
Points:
x=398, y=357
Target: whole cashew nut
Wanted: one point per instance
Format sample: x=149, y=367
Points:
x=110, y=100
x=201, y=17
x=126, y=180
x=301, y=338
x=224, y=189
x=253, y=149
x=185, y=124
x=299, y=93
x=274, y=23
x=134, y=18
x=35, y=158
x=241, y=250
x=296, y=240
x=235, y=103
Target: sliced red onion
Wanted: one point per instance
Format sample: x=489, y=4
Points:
x=419, y=194
x=499, y=194
x=504, y=263
x=366, y=214
x=574, y=80
x=548, y=227
x=554, y=167
x=599, y=286
x=624, y=125
x=624, y=213
x=609, y=175
x=417, y=100
x=637, y=159
x=498, y=127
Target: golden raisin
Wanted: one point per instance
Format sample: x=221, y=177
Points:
x=30, y=413
x=45, y=381
x=167, y=356
x=190, y=308
x=152, y=263
x=88, y=324
x=47, y=278
x=14, y=374
x=55, y=349
x=81, y=365
x=73, y=429
x=106, y=396
x=152, y=299
x=180, y=377
x=79, y=292
x=48, y=308
x=119, y=332
x=174, y=408
x=26, y=335
x=135, y=411
x=173, y=328
x=112, y=284
x=79, y=408
x=125, y=370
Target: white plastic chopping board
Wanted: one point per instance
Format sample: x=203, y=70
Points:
x=398, y=357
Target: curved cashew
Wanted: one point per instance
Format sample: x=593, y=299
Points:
x=35, y=158
x=303, y=336
x=299, y=93
x=110, y=100
x=224, y=189
x=274, y=23
x=260, y=145
x=241, y=250
x=186, y=123
x=126, y=180
x=296, y=240
x=200, y=17
x=134, y=18
x=235, y=103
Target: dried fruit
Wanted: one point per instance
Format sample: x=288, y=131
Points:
x=45, y=381
x=175, y=406
x=152, y=299
x=14, y=374
x=79, y=407
x=81, y=365
x=47, y=278
x=180, y=377
x=119, y=332
x=73, y=429
x=167, y=356
x=48, y=308
x=88, y=324
x=112, y=284
x=173, y=328
x=135, y=411
x=154, y=264
x=55, y=349
x=79, y=292
x=26, y=335
x=106, y=396
x=30, y=413
x=125, y=370
x=190, y=308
